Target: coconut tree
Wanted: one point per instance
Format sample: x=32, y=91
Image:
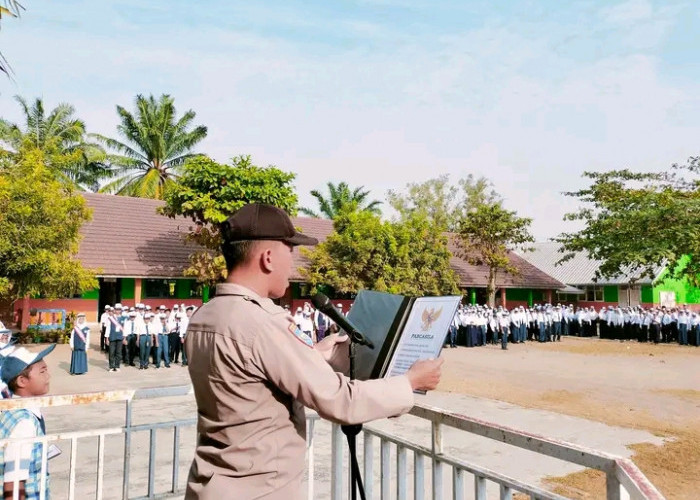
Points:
x=341, y=196
x=154, y=146
x=61, y=137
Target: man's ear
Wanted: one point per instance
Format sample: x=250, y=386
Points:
x=266, y=259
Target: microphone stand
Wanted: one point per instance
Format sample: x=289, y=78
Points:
x=351, y=432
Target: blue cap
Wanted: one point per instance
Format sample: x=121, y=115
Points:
x=19, y=359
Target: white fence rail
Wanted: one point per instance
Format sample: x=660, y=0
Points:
x=623, y=479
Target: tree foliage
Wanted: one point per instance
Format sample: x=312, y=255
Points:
x=487, y=235
x=155, y=146
x=340, y=197
x=636, y=223
x=40, y=219
x=209, y=192
x=442, y=201
x=62, y=139
x=408, y=257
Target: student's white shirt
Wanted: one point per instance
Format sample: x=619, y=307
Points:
x=130, y=327
x=104, y=319
x=147, y=331
x=158, y=327
x=297, y=319
x=140, y=323
x=306, y=323
x=184, y=323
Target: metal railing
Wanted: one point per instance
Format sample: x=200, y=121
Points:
x=623, y=479
x=128, y=430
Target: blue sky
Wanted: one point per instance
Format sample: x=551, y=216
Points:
x=384, y=92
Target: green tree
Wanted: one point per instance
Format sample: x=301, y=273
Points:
x=640, y=222
x=442, y=201
x=487, y=235
x=8, y=8
x=341, y=196
x=155, y=146
x=62, y=139
x=209, y=192
x=40, y=219
x=364, y=252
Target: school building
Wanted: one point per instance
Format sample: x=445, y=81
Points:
x=139, y=255
x=627, y=289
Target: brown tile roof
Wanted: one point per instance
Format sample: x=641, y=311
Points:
x=319, y=229
x=477, y=276
x=127, y=237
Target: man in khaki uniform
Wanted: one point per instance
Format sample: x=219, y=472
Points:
x=253, y=371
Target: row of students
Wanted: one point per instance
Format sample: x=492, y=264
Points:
x=658, y=324
x=479, y=324
x=138, y=333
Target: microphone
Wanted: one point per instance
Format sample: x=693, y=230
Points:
x=323, y=304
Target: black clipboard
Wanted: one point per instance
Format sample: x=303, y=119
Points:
x=382, y=318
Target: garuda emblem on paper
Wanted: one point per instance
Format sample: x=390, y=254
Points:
x=429, y=317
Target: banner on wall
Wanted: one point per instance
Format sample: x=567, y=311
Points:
x=667, y=299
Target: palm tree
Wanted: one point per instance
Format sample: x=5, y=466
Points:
x=155, y=148
x=341, y=196
x=62, y=139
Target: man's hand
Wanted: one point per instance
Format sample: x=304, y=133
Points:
x=424, y=375
x=327, y=345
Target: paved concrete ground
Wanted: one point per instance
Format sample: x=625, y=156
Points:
x=521, y=464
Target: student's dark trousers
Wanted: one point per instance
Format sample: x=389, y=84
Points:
x=115, y=353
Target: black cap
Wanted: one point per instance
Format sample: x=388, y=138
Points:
x=257, y=221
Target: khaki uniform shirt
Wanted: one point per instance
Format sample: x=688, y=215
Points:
x=253, y=372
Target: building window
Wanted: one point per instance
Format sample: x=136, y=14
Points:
x=159, y=289
x=594, y=293
x=196, y=290
x=567, y=298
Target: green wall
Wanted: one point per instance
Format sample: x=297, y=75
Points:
x=128, y=291
x=685, y=293
x=182, y=289
x=610, y=294
x=91, y=294
x=647, y=294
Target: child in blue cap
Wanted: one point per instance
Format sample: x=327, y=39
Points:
x=26, y=376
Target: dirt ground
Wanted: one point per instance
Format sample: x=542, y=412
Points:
x=642, y=386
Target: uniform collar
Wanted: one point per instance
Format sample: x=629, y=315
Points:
x=236, y=289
